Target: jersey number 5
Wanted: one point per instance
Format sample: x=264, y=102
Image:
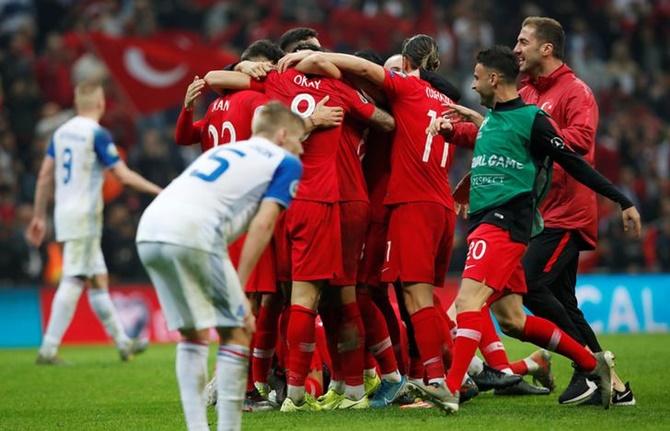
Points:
x=429, y=143
x=221, y=167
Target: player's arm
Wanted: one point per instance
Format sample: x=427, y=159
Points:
x=461, y=134
x=324, y=116
x=186, y=131
x=255, y=69
x=259, y=234
x=132, y=179
x=344, y=62
x=37, y=227
x=316, y=64
x=382, y=120
x=220, y=80
x=278, y=196
x=546, y=140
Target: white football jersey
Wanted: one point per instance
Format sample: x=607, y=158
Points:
x=212, y=202
x=81, y=150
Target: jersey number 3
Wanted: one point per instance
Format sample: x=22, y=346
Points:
x=67, y=165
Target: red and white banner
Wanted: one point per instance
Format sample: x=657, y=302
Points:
x=155, y=72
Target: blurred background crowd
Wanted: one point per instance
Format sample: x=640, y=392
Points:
x=621, y=48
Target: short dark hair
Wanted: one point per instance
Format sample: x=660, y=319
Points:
x=306, y=45
x=548, y=30
x=501, y=59
x=292, y=37
x=370, y=55
x=263, y=48
x=421, y=51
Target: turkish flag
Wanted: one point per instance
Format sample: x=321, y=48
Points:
x=155, y=72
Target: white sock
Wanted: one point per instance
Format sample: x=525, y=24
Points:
x=232, y=362
x=476, y=366
x=337, y=386
x=104, y=308
x=370, y=372
x=393, y=377
x=532, y=365
x=191, y=368
x=507, y=371
x=354, y=392
x=62, y=309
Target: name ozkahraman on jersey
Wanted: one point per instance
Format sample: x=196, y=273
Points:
x=82, y=150
x=419, y=161
x=212, y=202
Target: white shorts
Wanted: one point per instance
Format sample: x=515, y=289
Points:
x=196, y=289
x=83, y=257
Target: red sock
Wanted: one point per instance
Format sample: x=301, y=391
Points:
x=467, y=339
x=351, y=344
x=519, y=367
x=281, y=346
x=393, y=327
x=490, y=345
x=543, y=333
x=445, y=326
x=300, y=338
x=331, y=324
x=265, y=339
x=429, y=340
x=377, y=339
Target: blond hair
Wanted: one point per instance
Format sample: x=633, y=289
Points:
x=273, y=116
x=87, y=95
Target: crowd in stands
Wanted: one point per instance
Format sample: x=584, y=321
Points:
x=621, y=48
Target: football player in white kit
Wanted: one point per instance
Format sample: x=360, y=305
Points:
x=78, y=154
x=182, y=240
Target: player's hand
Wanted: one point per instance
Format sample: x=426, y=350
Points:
x=439, y=125
x=193, y=91
x=456, y=113
x=36, y=231
x=462, y=210
x=290, y=60
x=326, y=116
x=630, y=217
x=255, y=69
x=249, y=318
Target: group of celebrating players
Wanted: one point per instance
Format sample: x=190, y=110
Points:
x=373, y=206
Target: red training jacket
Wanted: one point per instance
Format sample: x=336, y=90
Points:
x=569, y=204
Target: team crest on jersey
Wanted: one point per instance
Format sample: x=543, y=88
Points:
x=293, y=188
x=112, y=151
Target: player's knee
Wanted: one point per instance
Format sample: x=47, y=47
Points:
x=511, y=325
x=195, y=336
x=239, y=336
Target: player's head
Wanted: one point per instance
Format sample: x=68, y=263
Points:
x=420, y=51
x=309, y=46
x=89, y=99
x=540, y=39
x=279, y=124
x=496, y=70
x=394, y=63
x=262, y=50
x=370, y=55
x=289, y=40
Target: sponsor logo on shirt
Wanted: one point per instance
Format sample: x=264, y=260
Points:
x=487, y=180
x=557, y=142
x=293, y=188
x=112, y=151
x=498, y=161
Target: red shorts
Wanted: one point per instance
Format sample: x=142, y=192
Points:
x=354, y=221
x=374, y=249
x=419, y=242
x=263, y=278
x=282, y=249
x=313, y=230
x=495, y=260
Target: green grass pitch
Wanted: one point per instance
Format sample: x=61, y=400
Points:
x=98, y=392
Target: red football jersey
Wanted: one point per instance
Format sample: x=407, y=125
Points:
x=419, y=162
x=350, y=153
x=228, y=118
x=377, y=170
x=301, y=93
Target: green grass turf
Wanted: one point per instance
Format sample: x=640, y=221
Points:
x=98, y=392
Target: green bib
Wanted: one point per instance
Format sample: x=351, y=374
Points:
x=502, y=165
